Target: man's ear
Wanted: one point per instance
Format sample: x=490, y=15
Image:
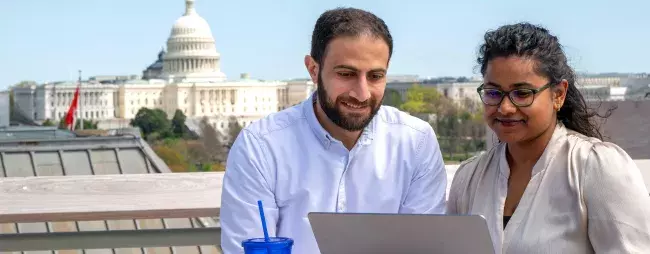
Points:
x=312, y=68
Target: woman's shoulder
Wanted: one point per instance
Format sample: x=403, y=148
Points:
x=467, y=167
x=465, y=180
x=603, y=161
x=591, y=146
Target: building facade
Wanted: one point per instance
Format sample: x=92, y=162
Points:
x=187, y=77
x=455, y=91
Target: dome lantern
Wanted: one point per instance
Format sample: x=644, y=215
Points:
x=191, y=51
x=189, y=7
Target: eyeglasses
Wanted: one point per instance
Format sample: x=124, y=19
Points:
x=521, y=97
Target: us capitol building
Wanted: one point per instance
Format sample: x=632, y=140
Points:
x=187, y=76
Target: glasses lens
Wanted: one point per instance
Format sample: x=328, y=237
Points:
x=491, y=96
x=522, y=97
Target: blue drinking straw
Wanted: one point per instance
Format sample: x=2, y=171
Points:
x=266, y=232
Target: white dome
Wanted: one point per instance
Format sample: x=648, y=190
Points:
x=191, y=51
x=191, y=24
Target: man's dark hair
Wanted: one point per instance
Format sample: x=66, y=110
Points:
x=346, y=22
x=537, y=43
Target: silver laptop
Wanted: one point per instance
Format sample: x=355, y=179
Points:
x=341, y=233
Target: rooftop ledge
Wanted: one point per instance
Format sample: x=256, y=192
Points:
x=54, y=199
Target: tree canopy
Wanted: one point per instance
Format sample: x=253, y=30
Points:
x=458, y=125
x=153, y=123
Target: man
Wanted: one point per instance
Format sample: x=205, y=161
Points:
x=339, y=150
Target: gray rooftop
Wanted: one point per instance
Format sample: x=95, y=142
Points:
x=41, y=156
x=629, y=126
x=33, y=132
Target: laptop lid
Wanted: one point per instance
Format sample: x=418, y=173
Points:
x=340, y=233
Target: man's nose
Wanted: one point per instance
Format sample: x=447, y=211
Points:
x=360, y=90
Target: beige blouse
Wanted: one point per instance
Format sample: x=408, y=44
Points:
x=584, y=196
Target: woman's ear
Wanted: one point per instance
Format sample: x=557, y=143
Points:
x=559, y=94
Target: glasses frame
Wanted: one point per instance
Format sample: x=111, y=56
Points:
x=481, y=88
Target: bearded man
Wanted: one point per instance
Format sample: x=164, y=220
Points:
x=338, y=151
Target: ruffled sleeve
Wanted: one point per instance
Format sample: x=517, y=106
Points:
x=617, y=201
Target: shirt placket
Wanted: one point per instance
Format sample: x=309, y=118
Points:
x=342, y=201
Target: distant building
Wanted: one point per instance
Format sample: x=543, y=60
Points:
x=601, y=88
x=298, y=90
x=4, y=110
x=155, y=70
x=187, y=77
x=456, y=91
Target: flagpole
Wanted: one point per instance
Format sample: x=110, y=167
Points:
x=81, y=117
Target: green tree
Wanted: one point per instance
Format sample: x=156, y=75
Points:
x=62, y=125
x=458, y=125
x=172, y=156
x=179, y=129
x=392, y=98
x=153, y=123
x=88, y=125
x=424, y=100
x=233, y=130
x=48, y=122
x=212, y=142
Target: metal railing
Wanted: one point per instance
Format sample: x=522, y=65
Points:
x=110, y=197
x=116, y=197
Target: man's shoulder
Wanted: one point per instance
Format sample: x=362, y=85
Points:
x=394, y=117
x=277, y=121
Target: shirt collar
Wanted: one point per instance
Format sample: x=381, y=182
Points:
x=322, y=135
x=547, y=156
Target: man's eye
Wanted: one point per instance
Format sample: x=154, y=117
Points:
x=346, y=74
x=376, y=76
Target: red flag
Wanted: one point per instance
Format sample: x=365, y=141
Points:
x=69, y=118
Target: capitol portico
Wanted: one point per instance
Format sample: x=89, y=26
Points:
x=187, y=77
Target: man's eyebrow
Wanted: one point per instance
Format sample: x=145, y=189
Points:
x=343, y=66
x=348, y=67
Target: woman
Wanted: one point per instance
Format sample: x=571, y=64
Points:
x=550, y=185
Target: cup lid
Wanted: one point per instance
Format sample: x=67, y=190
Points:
x=274, y=242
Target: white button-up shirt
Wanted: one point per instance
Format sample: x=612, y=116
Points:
x=295, y=167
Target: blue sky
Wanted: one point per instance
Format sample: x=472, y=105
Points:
x=46, y=40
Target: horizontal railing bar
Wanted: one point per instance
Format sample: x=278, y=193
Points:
x=24, y=148
x=110, y=239
x=110, y=197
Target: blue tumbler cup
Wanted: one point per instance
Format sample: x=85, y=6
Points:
x=275, y=245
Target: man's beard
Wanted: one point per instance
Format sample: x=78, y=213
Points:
x=351, y=122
